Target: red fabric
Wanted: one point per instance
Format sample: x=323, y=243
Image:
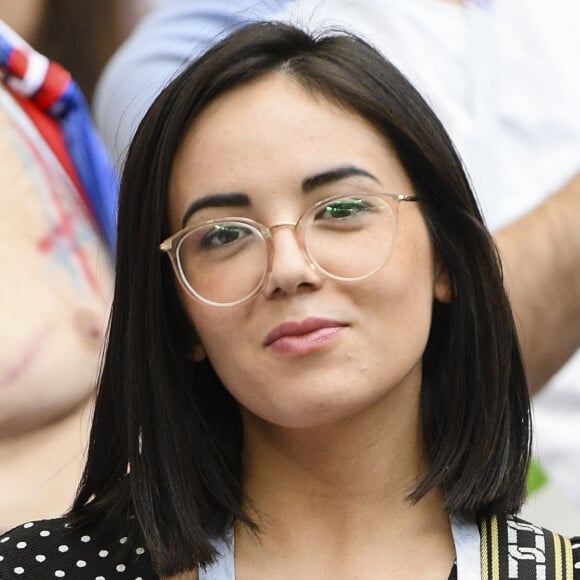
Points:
x=18, y=63
x=54, y=86
x=50, y=132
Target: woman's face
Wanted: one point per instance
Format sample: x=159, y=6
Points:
x=359, y=343
x=55, y=283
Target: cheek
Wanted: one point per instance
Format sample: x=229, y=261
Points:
x=402, y=304
x=413, y=264
x=232, y=349
x=401, y=312
x=215, y=330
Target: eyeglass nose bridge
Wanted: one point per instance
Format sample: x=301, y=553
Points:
x=295, y=226
x=279, y=225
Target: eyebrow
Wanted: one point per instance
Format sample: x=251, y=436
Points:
x=334, y=175
x=216, y=200
x=238, y=199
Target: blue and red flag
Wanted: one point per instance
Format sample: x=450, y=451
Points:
x=57, y=107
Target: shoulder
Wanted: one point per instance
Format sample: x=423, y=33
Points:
x=51, y=549
x=510, y=542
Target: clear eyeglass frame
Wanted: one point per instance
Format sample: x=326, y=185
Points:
x=172, y=244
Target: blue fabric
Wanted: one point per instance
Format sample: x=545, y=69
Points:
x=91, y=160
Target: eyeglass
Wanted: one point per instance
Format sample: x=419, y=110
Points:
x=226, y=261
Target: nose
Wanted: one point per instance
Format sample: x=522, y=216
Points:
x=290, y=269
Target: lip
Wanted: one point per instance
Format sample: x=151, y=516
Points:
x=304, y=336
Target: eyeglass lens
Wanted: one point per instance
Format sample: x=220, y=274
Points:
x=347, y=239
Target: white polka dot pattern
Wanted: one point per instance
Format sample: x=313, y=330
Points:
x=53, y=549
x=50, y=549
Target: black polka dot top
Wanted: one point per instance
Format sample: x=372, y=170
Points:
x=48, y=549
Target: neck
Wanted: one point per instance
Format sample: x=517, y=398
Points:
x=332, y=462
x=340, y=488
x=40, y=469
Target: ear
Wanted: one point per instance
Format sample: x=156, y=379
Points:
x=442, y=287
x=199, y=353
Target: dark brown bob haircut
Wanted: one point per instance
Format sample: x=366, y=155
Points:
x=164, y=455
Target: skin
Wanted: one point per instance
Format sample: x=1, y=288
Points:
x=54, y=312
x=354, y=400
x=545, y=291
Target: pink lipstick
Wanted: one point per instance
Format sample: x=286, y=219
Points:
x=303, y=337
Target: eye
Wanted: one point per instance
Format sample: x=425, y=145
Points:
x=343, y=209
x=222, y=235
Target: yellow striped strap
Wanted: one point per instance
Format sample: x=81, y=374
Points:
x=513, y=549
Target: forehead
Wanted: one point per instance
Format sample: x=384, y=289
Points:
x=271, y=134
x=257, y=112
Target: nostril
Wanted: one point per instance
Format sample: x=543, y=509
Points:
x=291, y=270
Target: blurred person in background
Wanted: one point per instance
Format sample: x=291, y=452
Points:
x=503, y=77
x=57, y=196
x=81, y=36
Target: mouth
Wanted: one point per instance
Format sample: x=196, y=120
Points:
x=302, y=337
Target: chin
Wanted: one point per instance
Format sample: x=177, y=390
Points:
x=304, y=415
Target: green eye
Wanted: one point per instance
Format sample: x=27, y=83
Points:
x=343, y=209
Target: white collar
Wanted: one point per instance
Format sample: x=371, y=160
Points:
x=467, y=547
